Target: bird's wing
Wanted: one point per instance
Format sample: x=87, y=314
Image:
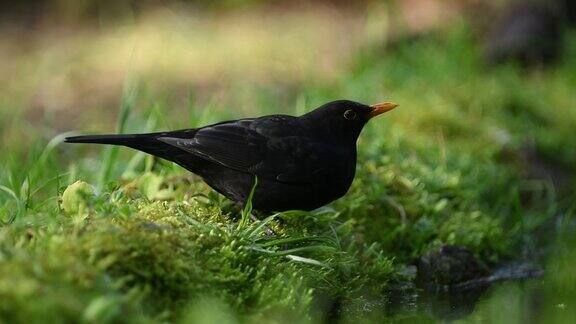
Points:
x=242, y=145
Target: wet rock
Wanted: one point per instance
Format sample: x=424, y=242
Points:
x=454, y=280
x=448, y=266
x=441, y=272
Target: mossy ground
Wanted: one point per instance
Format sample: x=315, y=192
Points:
x=151, y=242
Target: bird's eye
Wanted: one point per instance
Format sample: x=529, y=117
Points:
x=350, y=114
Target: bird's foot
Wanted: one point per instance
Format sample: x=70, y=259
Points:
x=267, y=230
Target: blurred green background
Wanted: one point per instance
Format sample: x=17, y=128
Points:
x=479, y=156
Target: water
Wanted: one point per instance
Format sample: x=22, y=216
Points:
x=516, y=294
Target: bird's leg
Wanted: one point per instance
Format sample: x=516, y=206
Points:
x=267, y=230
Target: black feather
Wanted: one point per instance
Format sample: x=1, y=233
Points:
x=301, y=162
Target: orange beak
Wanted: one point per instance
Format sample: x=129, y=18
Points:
x=381, y=108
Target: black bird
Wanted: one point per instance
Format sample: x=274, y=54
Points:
x=301, y=162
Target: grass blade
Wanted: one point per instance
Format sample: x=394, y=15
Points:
x=247, y=211
x=111, y=153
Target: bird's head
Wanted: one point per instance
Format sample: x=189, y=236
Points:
x=343, y=120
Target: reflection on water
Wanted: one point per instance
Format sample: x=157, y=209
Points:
x=510, y=298
x=503, y=302
x=452, y=305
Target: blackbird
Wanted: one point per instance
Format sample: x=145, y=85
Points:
x=301, y=163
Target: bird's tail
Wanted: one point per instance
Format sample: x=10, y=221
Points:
x=148, y=143
x=143, y=142
x=125, y=139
